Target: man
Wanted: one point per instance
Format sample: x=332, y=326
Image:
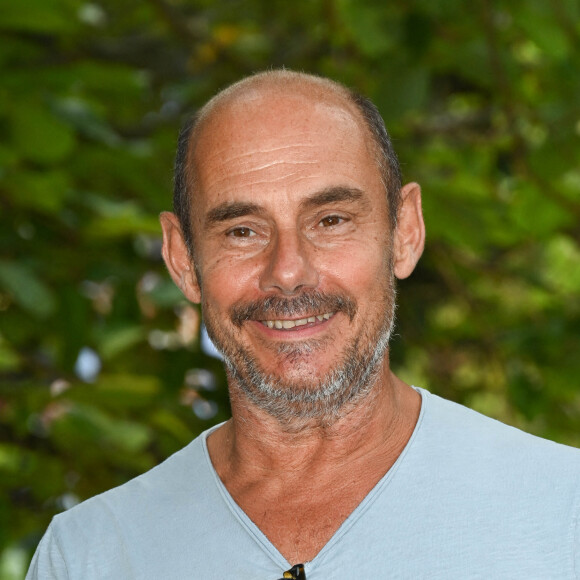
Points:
x=291, y=225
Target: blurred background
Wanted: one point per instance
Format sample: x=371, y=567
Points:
x=103, y=370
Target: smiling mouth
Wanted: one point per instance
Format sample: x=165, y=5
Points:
x=289, y=324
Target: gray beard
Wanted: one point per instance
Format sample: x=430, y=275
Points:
x=325, y=399
x=322, y=399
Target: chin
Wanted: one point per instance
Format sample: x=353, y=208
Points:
x=302, y=390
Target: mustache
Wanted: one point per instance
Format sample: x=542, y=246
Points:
x=273, y=307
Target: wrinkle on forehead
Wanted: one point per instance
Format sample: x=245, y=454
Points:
x=265, y=166
x=268, y=106
x=231, y=172
x=223, y=189
x=266, y=136
x=253, y=140
x=274, y=132
x=238, y=153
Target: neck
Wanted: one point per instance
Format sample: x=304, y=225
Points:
x=299, y=485
x=378, y=424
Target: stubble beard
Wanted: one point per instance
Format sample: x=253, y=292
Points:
x=322, y=399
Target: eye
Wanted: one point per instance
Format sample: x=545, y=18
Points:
x=331, y=220
x=241, y=232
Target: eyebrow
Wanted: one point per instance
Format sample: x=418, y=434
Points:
x=230, y=210
x=333, y=195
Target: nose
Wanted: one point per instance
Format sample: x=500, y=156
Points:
x=289, y=267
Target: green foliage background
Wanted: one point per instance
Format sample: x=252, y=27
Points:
x=483, y=101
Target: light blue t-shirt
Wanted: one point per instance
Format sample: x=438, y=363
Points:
x=468, y=498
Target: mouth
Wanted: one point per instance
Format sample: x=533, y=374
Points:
x=290, y=324
x=310, y=309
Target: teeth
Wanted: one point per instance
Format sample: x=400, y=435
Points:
x=287, y=324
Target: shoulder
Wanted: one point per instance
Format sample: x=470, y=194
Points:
x=478, y=434
x=180, y=474
x=472, y=497
x=114, y=533
x=496, y=459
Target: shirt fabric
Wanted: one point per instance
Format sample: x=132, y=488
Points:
x=468, y=498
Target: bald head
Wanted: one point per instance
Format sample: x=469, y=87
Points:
x=276, y=84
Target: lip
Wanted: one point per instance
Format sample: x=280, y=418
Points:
x=292, y=323
x=297, y=332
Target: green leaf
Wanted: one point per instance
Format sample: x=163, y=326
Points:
x=536, y=213
x=406, y=90
x=27, y=289
x=170, y=423
x=9, y=359
x=127, y=222
x=37, y=16
x=115, y=341
x=129, y=384
x=39, y=135
x=118, y=390
x=82, y=425
x=44, y=191
x=544, y=31
x=366, y=23
x=119, y=219
x=562, y=270
x=14, y=563
x=11, y=458
x=165, y=294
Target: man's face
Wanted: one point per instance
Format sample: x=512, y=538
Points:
x=293, y=251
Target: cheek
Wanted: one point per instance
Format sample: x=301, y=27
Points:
x=359, y=268
x=227, y=280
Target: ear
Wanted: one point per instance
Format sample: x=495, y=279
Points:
x=409, y=239
x=177, y=258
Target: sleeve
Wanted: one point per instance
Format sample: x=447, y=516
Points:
x=48, y=562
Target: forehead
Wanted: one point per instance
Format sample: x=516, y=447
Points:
x=278, y=143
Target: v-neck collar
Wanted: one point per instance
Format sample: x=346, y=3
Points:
x=261, y=539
